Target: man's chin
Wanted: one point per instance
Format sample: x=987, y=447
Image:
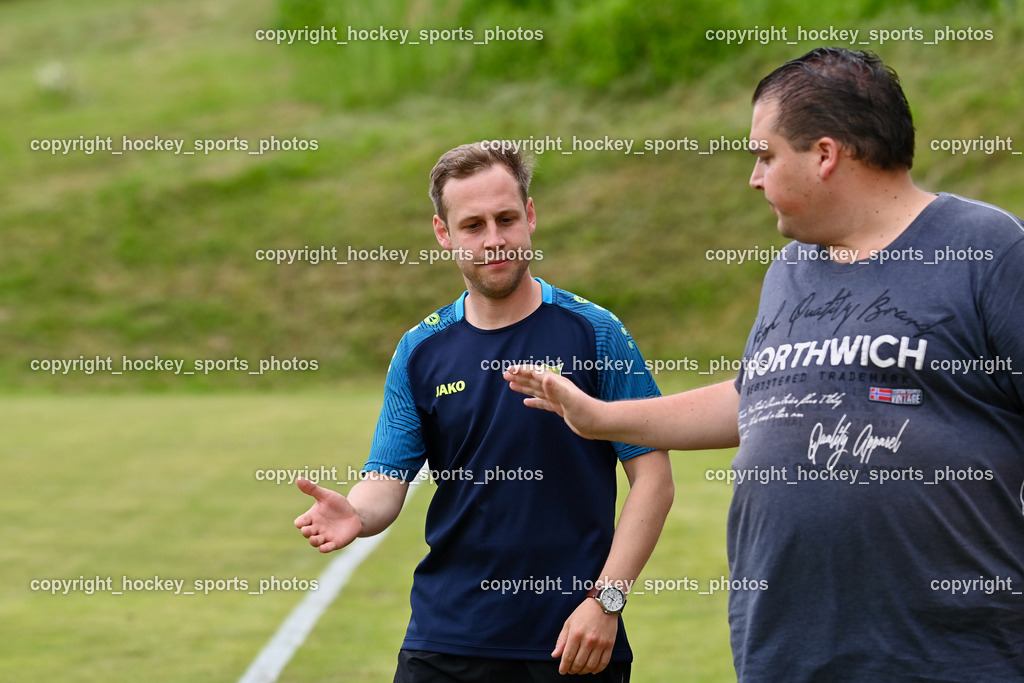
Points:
x=501, y=284
x=785, y=229
x=780, y=223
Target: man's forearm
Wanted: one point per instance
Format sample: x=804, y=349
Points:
x=693, y=420
x=640, y=523
x=377, y=500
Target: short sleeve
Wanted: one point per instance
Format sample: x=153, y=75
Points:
x=398, y=449
x=1002, y=307
x=624, y=373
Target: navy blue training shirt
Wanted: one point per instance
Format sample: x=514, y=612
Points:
x=523, y=514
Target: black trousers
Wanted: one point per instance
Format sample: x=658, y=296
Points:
x=418, y=666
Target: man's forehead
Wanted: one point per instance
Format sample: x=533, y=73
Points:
x=493, y=185
x=764, y=114
x=495, y=173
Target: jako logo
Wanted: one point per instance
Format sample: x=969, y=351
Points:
x=450, y=388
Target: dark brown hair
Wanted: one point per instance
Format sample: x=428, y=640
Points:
x=846, y=95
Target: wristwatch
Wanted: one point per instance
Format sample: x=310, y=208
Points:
x=611, y=598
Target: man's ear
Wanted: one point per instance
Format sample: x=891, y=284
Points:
x=444, y=238
x=829, y=151
x=531, y=215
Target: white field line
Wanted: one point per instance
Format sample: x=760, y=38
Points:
x=276, y=654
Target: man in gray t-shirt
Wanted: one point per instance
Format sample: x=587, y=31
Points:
x=878, y=532
x=879, y=522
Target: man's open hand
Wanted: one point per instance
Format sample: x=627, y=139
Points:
x=332, y=522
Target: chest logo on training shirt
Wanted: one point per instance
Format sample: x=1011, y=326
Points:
x=449, y=388
x=903, y=397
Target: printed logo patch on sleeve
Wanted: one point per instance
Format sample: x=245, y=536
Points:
x=903, y=397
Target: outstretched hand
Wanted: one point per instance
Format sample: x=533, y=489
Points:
x=332, y=522
x=550, y=391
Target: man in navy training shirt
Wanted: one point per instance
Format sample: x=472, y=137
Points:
x=527, y=572
x=878, y=532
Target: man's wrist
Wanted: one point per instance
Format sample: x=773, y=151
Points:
x=611, y=598
x=601, y=415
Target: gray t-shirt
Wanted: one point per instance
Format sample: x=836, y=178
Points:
x=877, y=527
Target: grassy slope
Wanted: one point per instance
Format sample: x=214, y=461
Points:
x=151, y=254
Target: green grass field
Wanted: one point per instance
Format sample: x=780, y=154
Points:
x=165, y=486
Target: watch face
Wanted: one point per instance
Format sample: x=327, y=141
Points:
x=612, y=599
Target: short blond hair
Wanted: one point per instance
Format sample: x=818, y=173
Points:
x=466, y=160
